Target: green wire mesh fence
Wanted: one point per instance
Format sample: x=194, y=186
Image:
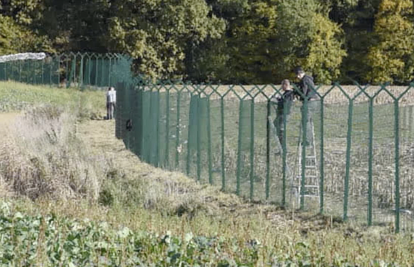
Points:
x=363, y=142
x=63, y=70
x=359, y=164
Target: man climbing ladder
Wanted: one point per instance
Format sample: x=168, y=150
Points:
x=307, y=179
x=283, y=104
x=305, y=182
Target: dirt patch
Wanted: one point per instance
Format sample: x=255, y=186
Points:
x=6, y=119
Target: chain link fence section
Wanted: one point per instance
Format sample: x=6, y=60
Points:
x=364, y=143
x=62, y=70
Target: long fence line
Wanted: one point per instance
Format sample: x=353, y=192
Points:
x=221, y=135
x=64, y=70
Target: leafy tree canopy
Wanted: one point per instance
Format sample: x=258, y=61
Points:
x=230, y=41
x=391, y=58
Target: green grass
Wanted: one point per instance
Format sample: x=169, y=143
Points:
x=17, y=96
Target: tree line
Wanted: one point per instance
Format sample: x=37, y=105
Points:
x=226, y=41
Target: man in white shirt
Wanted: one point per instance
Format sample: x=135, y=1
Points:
x=110, y=103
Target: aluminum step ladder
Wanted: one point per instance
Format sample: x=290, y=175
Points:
x=311, y=184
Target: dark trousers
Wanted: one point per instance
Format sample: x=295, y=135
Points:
x=110, y=108
x=280, y=124
x=312, y=107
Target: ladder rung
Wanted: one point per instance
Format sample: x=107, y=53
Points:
x=308, y=186
x=311, y=195
x=307, y=176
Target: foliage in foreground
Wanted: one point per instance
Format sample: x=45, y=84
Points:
x=49, y=240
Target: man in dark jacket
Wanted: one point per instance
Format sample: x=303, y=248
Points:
x=283, y=104
x=312, y=103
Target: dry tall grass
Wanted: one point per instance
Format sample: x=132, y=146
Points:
x=133, y=184
x=42, y=157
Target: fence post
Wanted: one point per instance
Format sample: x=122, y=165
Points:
x=239, y=148
x=193, y=109
x=89, y=64
x=5, y=71
x=81, y=72
x=223, y=154
x=322, y=160
x=167, y=131
x=210, y=167
x=75, y=58
x=370, y=158
x=67, y=70
x=158, y=139
x=52, y=64
x=20, y=71
x=252, y=149
x=34, y=72
x=43, y=78
x=348, y=158
x=110, y=71
x=284, y=153
x=303, y=165
x=96, y=70
x=268, y=151
x=177, y=133
x=397, y=166
x=71, y=73
x=102, y=83
x=198, y=137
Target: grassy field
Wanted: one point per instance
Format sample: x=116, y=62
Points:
x=17, y=97
x=72, y=195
